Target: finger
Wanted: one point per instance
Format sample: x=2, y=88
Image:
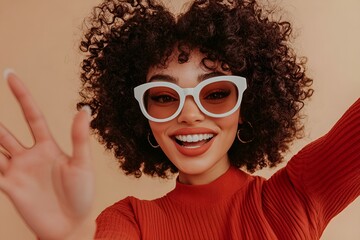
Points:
x=8, y=141
x=4, y=161
x=4, y=185
x=32, y=113
x=80, y=137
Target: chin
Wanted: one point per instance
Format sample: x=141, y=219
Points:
x=194, y=168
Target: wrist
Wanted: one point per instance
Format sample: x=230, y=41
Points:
x=85, y=231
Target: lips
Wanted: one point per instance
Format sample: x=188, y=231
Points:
x=193, y=141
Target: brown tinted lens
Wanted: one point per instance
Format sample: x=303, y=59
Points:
x=219, y=97
x=161, y=102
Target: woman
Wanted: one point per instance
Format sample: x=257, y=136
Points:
x=223, y=54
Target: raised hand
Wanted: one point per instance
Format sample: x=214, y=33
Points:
x=51, y=190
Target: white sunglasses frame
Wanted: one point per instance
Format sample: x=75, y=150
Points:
x=240, y=83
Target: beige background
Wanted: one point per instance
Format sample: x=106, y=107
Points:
x=39, y=39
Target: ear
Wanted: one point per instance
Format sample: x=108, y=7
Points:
x=240, y=120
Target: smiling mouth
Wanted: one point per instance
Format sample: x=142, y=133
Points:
x=193, y=140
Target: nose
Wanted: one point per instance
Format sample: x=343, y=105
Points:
x=190, y=112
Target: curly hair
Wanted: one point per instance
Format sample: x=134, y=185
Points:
x=125, y=38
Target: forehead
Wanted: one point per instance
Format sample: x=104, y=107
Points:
x=194, y=66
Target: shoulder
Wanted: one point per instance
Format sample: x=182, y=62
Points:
x=121, y=210
x=128, y=206
x=121, y=218
x=117, y=222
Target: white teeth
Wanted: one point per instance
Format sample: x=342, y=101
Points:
x=194, y=137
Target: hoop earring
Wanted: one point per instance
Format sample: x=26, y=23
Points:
x=151, y=144
x=250, y=135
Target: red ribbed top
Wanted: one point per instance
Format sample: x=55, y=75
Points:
x=297, y=202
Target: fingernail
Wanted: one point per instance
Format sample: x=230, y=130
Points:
x=7, y=72
x=87, y=109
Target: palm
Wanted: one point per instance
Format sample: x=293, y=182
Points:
x=51, y=190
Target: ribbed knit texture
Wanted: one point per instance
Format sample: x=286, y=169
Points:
x=297, y=202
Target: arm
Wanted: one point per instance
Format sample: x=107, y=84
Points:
x=317, y=183
x=52, y=191
x=327, y=171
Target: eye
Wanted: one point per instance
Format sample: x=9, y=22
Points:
x=217, y=94
x=163, y=98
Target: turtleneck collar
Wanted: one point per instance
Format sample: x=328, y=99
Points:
x=219, y=189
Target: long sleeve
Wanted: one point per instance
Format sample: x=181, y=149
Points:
x=327, y=171
x=317, y=183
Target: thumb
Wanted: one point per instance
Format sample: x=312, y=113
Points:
x=80, y=137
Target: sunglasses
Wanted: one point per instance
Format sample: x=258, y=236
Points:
x=216, y=97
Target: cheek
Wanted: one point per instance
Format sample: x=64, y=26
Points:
x=230, y=123
x=229, y=127
x=158, y=129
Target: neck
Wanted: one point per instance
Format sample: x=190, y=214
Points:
x=204, y=177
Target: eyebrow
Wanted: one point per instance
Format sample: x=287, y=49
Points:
x=169, y=78
x=163, y=77
x=205, y=76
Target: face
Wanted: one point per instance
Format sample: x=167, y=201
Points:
x=194, y=142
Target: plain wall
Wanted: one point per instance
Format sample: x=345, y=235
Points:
x=39, y=39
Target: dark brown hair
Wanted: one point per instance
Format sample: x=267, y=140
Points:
x=125, y=38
